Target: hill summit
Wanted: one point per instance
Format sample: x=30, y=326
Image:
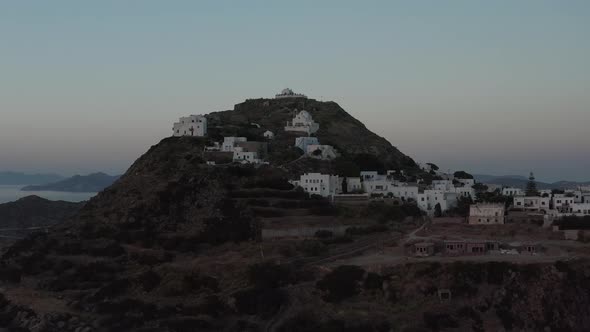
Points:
x=349, y=136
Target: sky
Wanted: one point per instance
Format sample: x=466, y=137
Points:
x=491, y=87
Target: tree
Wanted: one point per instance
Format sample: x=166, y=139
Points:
x=531, y=186
x=433, y=166
x=344, y=185
x=437, y=210
x=463, y=175
x=480, y=190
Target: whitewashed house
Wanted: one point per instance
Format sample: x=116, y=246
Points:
x=445, y=185
x=302, y=122
x=325, y=185
x=304, y=142
x=405, y=193
x=532, y=203
x=545, y=192
x=288, y=93
x=510, y=191
x=466, y=182
x=371, y=176
x=428, y=200
x=353, y=184
x=578, y=209
x=244, y=156
x=215, y=147
x=379, y=186
x=324, y=152
x=562, y=202
x=579, y=197
x=464, y=192
x=486, y=214
x=229, y=143
x=192, y=125
x=269, y=134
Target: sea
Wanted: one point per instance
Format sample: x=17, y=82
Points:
x=10, y=193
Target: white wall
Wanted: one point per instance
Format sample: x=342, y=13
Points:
x=192, y=125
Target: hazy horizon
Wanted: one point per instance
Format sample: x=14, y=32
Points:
x=488, y=87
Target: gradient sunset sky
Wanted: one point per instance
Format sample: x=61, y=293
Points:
x=493, y=87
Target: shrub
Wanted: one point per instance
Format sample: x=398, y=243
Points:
x=258, y=202
x=373, y=281
x=437, y=321
x=338, y=240
x=262, y=302
x=366, y=230
x=270, y=275
x=341, y=283
x=312, y=248
x=324, y=234
x=327, y=210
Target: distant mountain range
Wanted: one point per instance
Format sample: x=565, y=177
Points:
x=80, y=183
x=519, y=181
x=16, y=178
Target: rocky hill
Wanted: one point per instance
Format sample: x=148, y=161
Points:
x=175, y=245
x=359, y=146
x=79, y=183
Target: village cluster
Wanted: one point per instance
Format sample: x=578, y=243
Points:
x=438, y=197
x=254, y=152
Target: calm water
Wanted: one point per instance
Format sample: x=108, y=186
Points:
x=12, y=193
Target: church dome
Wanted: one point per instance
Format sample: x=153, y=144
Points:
x=287, y=91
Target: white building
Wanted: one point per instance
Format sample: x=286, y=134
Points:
x=445, y=185
x=288, y=93
x=192, y=125
x=246, y=157
x=545, y=192
x=509, y=191
x=303, y=142
x=467, y=182
x=562, y=202
x=578, y=209
x=486, y=214
x=268, y=134
x=325, y=185
x=229, y=143
x=215, y=147
x=324, y=152
x=378, y=186
x=353, y=184
x=428, y=200
x=302, y=122
x=464, y=192
x=405, y=192
x=371, y=176
x=532, y=203
x=579, y=196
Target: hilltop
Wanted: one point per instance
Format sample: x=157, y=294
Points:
x=357, y=144
x=79, y=183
